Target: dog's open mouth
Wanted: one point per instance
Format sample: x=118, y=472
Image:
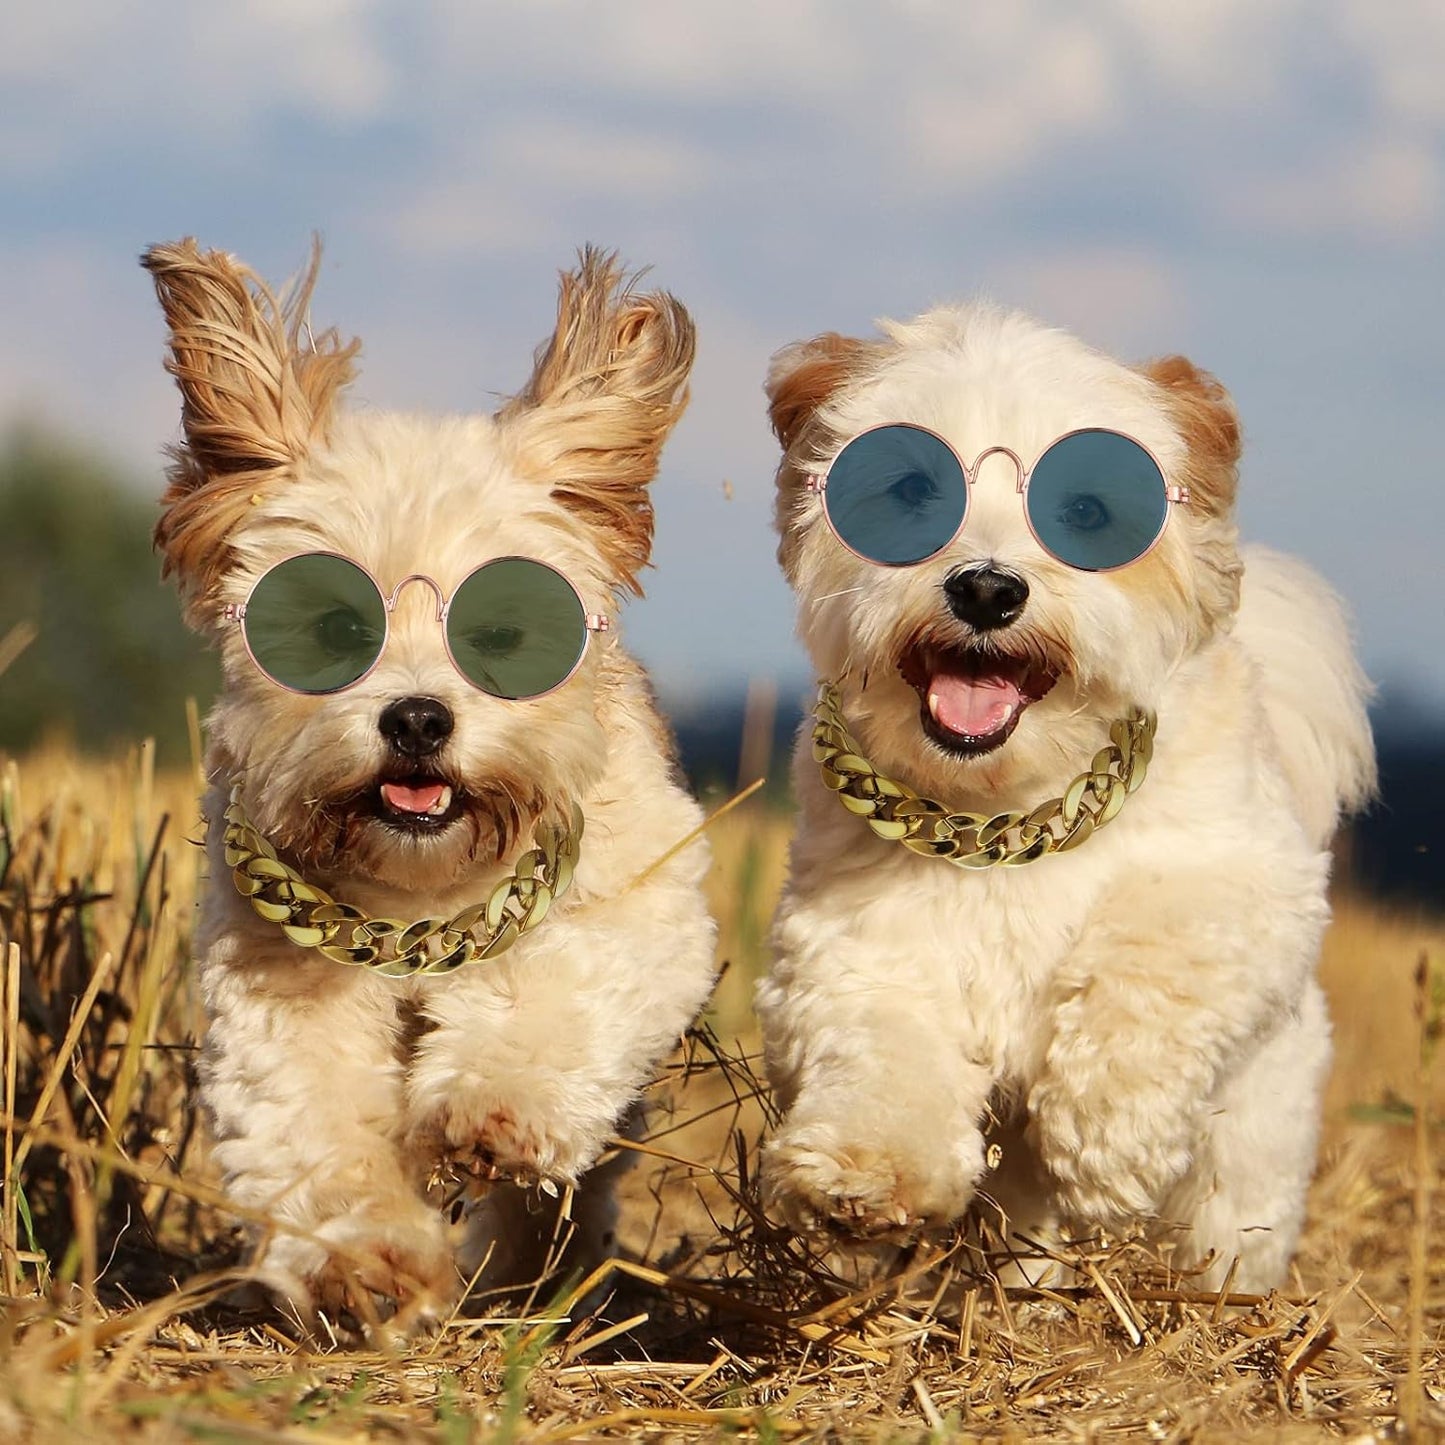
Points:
x=972, y=699
x=418, y=803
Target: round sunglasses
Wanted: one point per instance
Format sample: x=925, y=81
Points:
x=318, y=623
x=898, y=494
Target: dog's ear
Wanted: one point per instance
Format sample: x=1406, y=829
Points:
x=253, y=399
x=1207, y=421
x=804, y=375
x=605, y=391
x=801, y=379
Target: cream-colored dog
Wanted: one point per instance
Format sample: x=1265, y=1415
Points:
x=347, y=1066
x=1133, y=1019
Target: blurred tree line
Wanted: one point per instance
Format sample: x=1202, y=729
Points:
x=111, y=662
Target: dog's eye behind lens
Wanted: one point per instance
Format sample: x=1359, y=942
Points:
x=1084, y=512
x=1096, y=500
x=496, y=641
x=343, y=634
x=914, y=490
x=516, y=627
x=896, y=494
x=315, y=623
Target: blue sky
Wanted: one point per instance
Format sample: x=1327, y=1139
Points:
x=1257, y=183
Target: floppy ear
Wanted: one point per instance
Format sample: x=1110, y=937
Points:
x=605, y=391
x=1207, y=421
x=804, y=375
x=253, y=401
x=801, y=378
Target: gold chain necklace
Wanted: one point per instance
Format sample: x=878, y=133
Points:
x=311, y=918
x=975, y=840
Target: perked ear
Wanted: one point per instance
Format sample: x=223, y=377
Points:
x=1206, y=419
x=605, y=391
x=253, y=399
x=804, y=375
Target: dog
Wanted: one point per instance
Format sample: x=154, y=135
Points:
x=434, y=950
x=1018, y=573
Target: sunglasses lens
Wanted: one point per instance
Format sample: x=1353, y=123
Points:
x=315, y=623
x=896, y=495
x=516, y=628
x=1097, y=500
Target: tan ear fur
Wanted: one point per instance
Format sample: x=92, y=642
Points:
x=801, y=378
x=252, y=399
x=606, y=390
x=1209, y=424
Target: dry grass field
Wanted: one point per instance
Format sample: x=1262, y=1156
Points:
x=120, y=1317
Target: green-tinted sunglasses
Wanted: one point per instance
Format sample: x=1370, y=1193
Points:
x=318, y=623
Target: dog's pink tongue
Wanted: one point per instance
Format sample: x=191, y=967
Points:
x=974, y=707
x=411, y=800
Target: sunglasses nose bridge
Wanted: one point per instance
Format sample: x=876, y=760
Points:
x=1020, y=472
x=991, y=530
x=414, y=643
x=437, y=593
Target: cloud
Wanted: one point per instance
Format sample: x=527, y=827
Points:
x=1125, y=299
x=1381, y=189
x=699, y=53
x=518, y=117
x=944, y=108
x=507, y=189
x=977, y=115
x=87, y=78
x=1401, y=47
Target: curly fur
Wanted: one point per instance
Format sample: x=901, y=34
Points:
x=334, y=1093
x=1135, y=1022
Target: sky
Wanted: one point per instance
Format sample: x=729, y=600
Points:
x=1259, y=184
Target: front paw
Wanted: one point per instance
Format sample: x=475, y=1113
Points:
x=377, y=1268
x=820, y=1186
x=1113, y=1151
x=476, y=1136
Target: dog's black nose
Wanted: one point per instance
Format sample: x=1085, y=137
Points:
x=416, y=726
x=985, y=597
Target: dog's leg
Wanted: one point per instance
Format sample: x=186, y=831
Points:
x=1244, y=1197
x=881, y=1134
x=302, y=1078
x=533, y=1061
x=1160, y=1009
x=523, y=1240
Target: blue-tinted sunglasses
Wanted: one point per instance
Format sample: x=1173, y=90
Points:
x=898, y=495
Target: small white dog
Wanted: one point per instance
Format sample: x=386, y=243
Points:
x=1011, y=555
x=430, y=944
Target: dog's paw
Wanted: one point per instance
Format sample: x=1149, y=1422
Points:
x=1113, y=1153
x=865, y=1193
x=815, y=1193
x=476, y=1136
x=376, y=1271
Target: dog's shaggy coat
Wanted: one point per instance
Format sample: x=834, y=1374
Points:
x=1136, y=1023
x=336, y=1093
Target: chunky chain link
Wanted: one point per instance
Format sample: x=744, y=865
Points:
x=975, y=840
x=311, y=918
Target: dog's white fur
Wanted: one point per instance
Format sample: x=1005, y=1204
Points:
x=1136, y=1022
x=335, y=1092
